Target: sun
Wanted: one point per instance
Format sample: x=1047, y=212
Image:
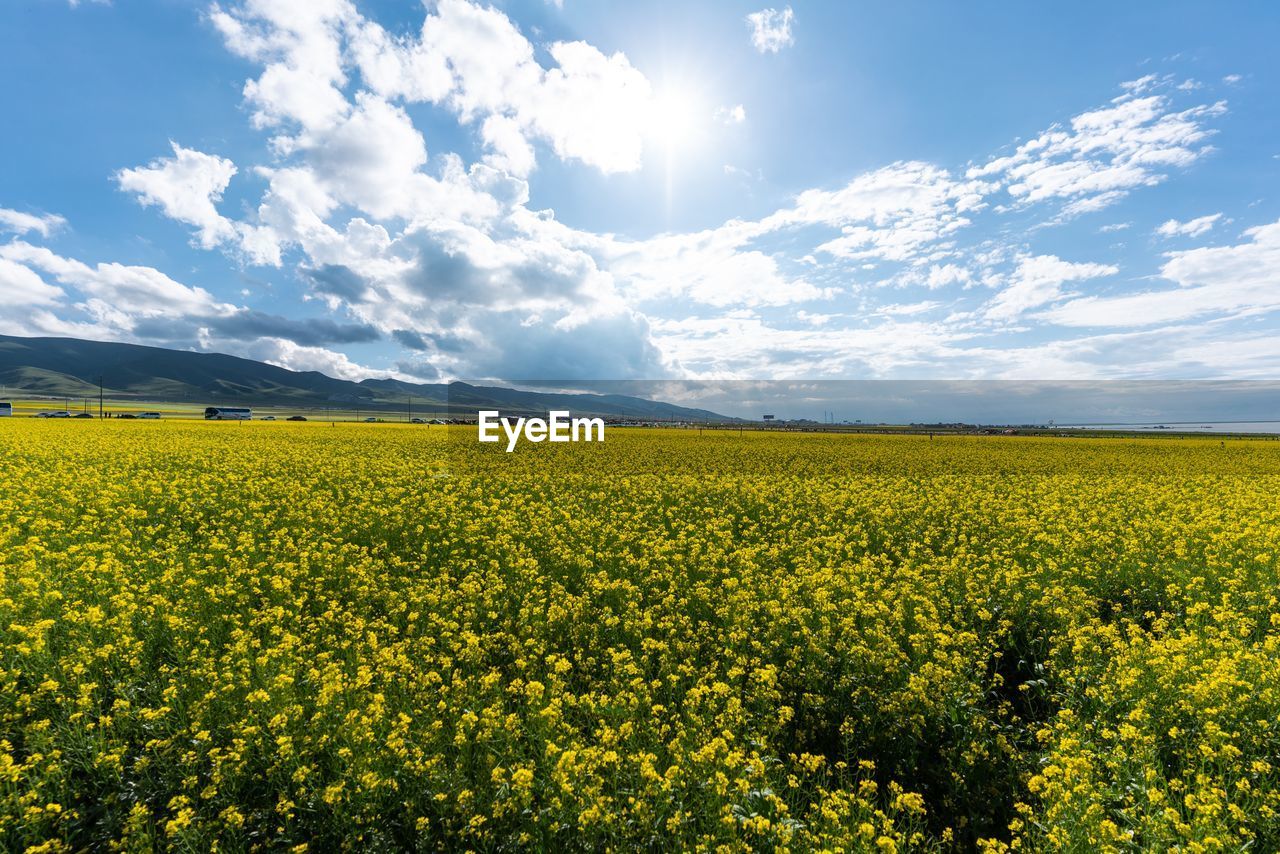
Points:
x=675, y=119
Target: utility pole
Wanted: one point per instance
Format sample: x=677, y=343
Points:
x=100, y=416
x=410, y=409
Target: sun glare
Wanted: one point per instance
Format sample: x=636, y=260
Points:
x=675, y=119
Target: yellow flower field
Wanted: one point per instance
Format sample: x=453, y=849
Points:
x=272, y=635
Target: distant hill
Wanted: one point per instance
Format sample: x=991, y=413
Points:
x=70, y=367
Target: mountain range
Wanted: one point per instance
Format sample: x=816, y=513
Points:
x=72, y=367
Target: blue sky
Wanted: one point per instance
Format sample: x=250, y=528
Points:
x=610, y=190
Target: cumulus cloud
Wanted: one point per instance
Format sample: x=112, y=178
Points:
x=143, y=290
x=22, y=286
x=443, y=248
x=608, y=347
x=446, y=258
x=1190, y=228
x=298, y=357
x=187, y=187
x=141, y=304
x=589, y=106
x=246, y=325
x=299, y=44
x=771, y=29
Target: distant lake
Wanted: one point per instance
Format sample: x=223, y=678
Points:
x=1187, y=426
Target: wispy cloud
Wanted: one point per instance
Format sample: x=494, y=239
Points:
x=1190, y=228
x=771, y=29
x=22, y=223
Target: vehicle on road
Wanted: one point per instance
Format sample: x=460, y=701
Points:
x=6, y=409
x=228, y=413
x=150, y=416
x=83, y=415
x=267, y=418
x=296, y=418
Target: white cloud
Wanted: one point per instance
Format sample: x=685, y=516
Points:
x=1221, y=280
x=1232, y=79
x=447, y=258
x=299, y=44
x=141, y=290
x=946, y=274
x=187, y=187
x=712, y=267
x=1191, y=228
x=1037, y=281
x=892, y=213
x=22, y=223
x=1105, y=153
x=393, y=68
x=771, y=29
x=22, y=286
x=734, y=115
x=295, y=357
x=589, y=107
x=371, y=159
x=1253, y=356
x=735, y=345
x=110, y=301
x=906, y=309
x=902, y=213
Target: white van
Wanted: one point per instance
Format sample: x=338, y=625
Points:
x=150, y=416
x=228, y=413
x=6, y=409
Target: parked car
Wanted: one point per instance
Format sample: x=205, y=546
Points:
x=296, y=418
x=82, y=415
x=417, y=421
x=150, y=416
x=60, y=413
x=129, y=416
x=267, y=418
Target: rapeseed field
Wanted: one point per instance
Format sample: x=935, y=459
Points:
x=262, y=636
